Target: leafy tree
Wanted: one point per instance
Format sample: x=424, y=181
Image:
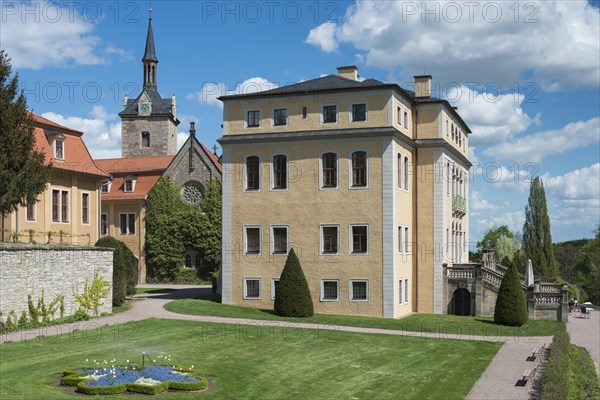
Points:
x=292, y=297
x=511, y=307
x=125, y=271
x=164, y=238
x=501, y=240
x=537, y=239
x=587, y=268
x=210, y=242
x=23, y=175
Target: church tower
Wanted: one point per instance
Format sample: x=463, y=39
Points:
x=149, y=123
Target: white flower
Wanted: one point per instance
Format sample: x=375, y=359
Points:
x=127, y=361
x=147, y=381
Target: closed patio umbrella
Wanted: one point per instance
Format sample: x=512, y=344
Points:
x=529, y=274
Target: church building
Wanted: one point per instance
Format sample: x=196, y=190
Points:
x=148, y=151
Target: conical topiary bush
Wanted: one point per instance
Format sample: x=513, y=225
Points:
x=511, y=307
x=292, y=298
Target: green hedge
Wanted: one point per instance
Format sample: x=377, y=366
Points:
x=569, y=372
x=148, y=389
x=125, y=272
x=101, y=390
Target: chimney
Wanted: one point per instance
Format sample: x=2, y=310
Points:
x=423, y=85
x=348, y=72
x=192, y=128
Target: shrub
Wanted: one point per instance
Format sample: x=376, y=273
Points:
x=124, y=269
x=292, y=298
x=511, y=307
x=95, y=390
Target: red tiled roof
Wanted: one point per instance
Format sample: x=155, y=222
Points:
x=119, y=166
x=142, y=186
x=77, y=158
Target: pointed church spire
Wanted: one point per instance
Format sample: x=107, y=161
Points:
x=150, y=60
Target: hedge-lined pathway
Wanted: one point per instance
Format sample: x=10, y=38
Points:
x=585, y=332
x=501, y=380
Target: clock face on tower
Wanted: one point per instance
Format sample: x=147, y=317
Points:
x=144, y=109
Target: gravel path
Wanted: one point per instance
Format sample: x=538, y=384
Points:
x=501, y=380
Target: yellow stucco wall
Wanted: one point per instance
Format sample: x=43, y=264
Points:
x=377, y=112
x=304, y=206
x=424, y=229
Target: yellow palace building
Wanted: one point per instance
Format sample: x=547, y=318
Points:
x=364, y=179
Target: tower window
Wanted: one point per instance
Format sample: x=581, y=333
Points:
x=145, y=139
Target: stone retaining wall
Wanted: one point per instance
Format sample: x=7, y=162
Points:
x=55, y=270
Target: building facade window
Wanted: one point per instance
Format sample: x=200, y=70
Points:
x=359, y=290
x=105, y=188
x=359, y=112
x=360, y=239
x=329, y=115
x=399, y=170
x=188, y=261
x=405, y=173
x=280, y=172
x=59, y=149
x=330, y=290
x=198, y=261
x=279, y=239
x=31, y=211
x=280, y=116
x=252, y=288
x=85, y=208
x=145, y=139
x=252, y=240
x=400, y=294
x=129, y=185
x=405, y=119
x=359, y=169
x=400, y=242
x=127, y=224
x=253, y=119
x=330, y=239
x=64, y=206
x=103, y=224
x=329, y=168
x=274, y=284
x=252, y=173
x=399, y=115
x=406, y=240
x=406, y=290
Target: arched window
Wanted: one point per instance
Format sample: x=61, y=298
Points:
x=399, y=171
x=192, y=192
x=447, y=177
x=145, y=139
x=359, y=169
x=252, y=173
x=280, y=172
x=405, y=173
x=329, y=162
x=188, y=261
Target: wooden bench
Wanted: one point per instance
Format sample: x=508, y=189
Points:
x=538, y=352
x=530, y=373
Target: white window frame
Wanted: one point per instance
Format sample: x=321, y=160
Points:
x=339, y=234
x=337, y=171
x=406, y=177
x=337, y=114
x=272, y=239
x=133, y=180
x=337, y=281
x=351, y=290
x=34, y=219
x=273, y=280
x=399, y=115
x=63, y=149
x=246, y=118
x=245, y=173
x=405, y=115
x=400, y=236
x=351, y=112
x=350, y=165
x=399, y=169
x=108, y=183
x=60, y=206
x=407, y=246
x=245, y=234
x=272, y=172
x=401, y=291
x=128, y=232
x=252, y=278
x=287, y=117
x=89, y=206
x=351, y=239
x=406, y=298
x=107, y=225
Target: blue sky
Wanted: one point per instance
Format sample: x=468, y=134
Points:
x=525, y=76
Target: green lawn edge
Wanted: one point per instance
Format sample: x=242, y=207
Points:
x=430, y=323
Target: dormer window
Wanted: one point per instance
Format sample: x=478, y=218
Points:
x=145, y=139
x=105, y=188
x=59, y=149
x=129, y=185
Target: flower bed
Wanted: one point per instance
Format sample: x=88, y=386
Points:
x=152, y=379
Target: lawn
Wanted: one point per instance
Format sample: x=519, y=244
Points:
x=253, y=362
x=443, y=324
x=149, y=290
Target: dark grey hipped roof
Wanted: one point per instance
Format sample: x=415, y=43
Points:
x=160, y=106
x=328, y=82
x=150, y=53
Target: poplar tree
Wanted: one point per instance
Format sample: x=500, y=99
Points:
x=23, y=174
x=537, y=239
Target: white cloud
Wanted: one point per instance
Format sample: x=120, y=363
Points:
x=102, y=133
x=535, y=147
x=553, y=43
x=324, y=37
x=212, y=90
x=492, y=118
x=477, y=202
x=576, y=186
x=42, y=34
